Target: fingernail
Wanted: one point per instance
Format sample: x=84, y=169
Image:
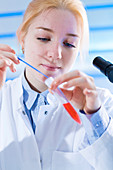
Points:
x=14, y=70
x=88, y=91
x=18, y=61
x=66, y=85
x=13, y=51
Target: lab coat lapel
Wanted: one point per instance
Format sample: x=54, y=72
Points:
x=24, y=132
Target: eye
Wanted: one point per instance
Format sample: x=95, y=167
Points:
x=43, y=39
x=69, y=45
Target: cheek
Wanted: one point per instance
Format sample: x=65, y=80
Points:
x=69, y=64
x=69, y=60
x=33, y=51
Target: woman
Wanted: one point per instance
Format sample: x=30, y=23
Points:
x=36, y=132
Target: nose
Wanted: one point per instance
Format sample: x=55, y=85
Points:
x=55, y=51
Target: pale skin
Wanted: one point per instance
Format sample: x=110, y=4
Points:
x=52, y=48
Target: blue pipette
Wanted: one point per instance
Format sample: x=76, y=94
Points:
x=32, y=67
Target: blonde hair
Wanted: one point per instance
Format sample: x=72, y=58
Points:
x=36, y=7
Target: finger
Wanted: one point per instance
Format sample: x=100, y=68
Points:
x=82, y=82
x=92, y=100
x=4, y=63
x=5, y=47
x=90, y=93
x=74, y=82
x=66, y=77
x=9, y=55
x=12, y=67
x=7, y=63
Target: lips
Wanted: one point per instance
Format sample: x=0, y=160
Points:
x=50, y=67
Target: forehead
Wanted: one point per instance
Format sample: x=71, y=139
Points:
x=58, y=20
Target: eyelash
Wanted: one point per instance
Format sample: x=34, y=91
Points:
x=68, y=45
x=44, y=39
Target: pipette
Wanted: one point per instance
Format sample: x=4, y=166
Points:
x=59, y=94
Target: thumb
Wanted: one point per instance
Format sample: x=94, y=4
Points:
x=90, y=93
x=92, y=100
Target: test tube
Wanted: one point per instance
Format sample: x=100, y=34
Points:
x=64, y=101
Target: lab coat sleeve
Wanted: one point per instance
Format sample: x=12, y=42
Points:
x=95, y=124
x=100, y=153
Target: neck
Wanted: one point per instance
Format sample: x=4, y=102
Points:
x=35, y=84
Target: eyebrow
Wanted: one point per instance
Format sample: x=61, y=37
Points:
x=72, y=35
x=45, y=29
x=50, y=30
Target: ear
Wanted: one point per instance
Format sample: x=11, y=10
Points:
x=20, y=35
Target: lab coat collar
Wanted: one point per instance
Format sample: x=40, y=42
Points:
x=17, y=91
x=32, y=95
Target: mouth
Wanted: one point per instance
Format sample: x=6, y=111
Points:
x=50, y=67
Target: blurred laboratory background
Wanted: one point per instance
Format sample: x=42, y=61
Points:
x=100, y=17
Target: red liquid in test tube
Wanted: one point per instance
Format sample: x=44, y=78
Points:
x=72, y=112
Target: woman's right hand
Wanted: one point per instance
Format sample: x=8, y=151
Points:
x=7, y=59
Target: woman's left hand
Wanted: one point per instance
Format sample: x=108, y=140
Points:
x=83, y=94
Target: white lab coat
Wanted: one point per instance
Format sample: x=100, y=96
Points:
x=59, y=143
